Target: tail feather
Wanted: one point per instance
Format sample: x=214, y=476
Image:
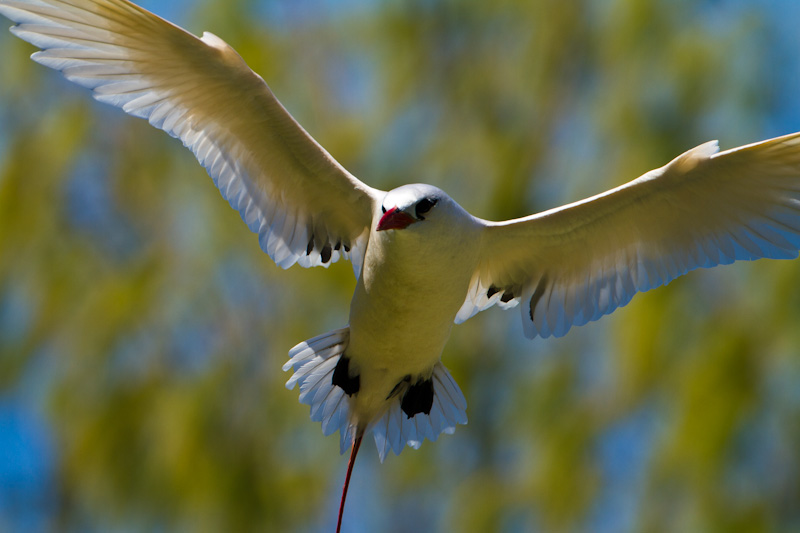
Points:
x=314, y=362
x=394, y=429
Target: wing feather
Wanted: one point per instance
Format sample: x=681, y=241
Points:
x=286, y=187
x=576, y=263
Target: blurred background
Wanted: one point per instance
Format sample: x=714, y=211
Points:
x=142, y=330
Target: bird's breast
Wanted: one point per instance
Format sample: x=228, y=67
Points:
x=401, y=314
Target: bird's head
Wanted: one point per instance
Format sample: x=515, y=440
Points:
x=409, y=204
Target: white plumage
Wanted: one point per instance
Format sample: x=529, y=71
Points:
x=422, y=261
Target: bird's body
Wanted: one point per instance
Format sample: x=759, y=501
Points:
x=405, y=303
x=422, y=262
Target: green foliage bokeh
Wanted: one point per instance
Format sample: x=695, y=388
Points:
x=148, y=329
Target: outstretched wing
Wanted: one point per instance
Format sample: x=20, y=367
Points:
x=305, y=207
x=576, y=263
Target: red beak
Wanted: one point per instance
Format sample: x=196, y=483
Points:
x=395, y=219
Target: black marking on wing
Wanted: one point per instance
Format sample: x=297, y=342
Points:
x=418, y=398
x=537, y=295
x=327, y=249
x=325, y=254
x=342, y=378
x=507, y=296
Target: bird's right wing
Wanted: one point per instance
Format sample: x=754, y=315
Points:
x=306, y=208
x=574, y=264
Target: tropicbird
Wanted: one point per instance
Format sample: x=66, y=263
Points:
x=422, y=262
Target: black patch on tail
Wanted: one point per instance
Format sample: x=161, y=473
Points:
x=342, y=378
x=400, y=386
x=418, y=398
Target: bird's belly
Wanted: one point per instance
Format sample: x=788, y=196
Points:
x=398, y=328
x=398, y=334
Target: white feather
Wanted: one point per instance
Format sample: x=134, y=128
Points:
x=701, y=210
x=200, y=91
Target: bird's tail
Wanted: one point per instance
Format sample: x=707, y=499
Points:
x=395, y=428
x=314, y=361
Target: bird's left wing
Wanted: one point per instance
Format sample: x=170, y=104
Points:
x=574, y=264
x=306, y=208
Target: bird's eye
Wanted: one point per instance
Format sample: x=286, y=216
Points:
x=423, y=206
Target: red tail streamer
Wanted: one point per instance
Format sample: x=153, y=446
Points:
x=350, y=463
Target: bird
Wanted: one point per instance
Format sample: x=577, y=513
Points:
x=422, y=262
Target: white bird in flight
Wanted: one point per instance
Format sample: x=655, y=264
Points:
x=421, y=260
